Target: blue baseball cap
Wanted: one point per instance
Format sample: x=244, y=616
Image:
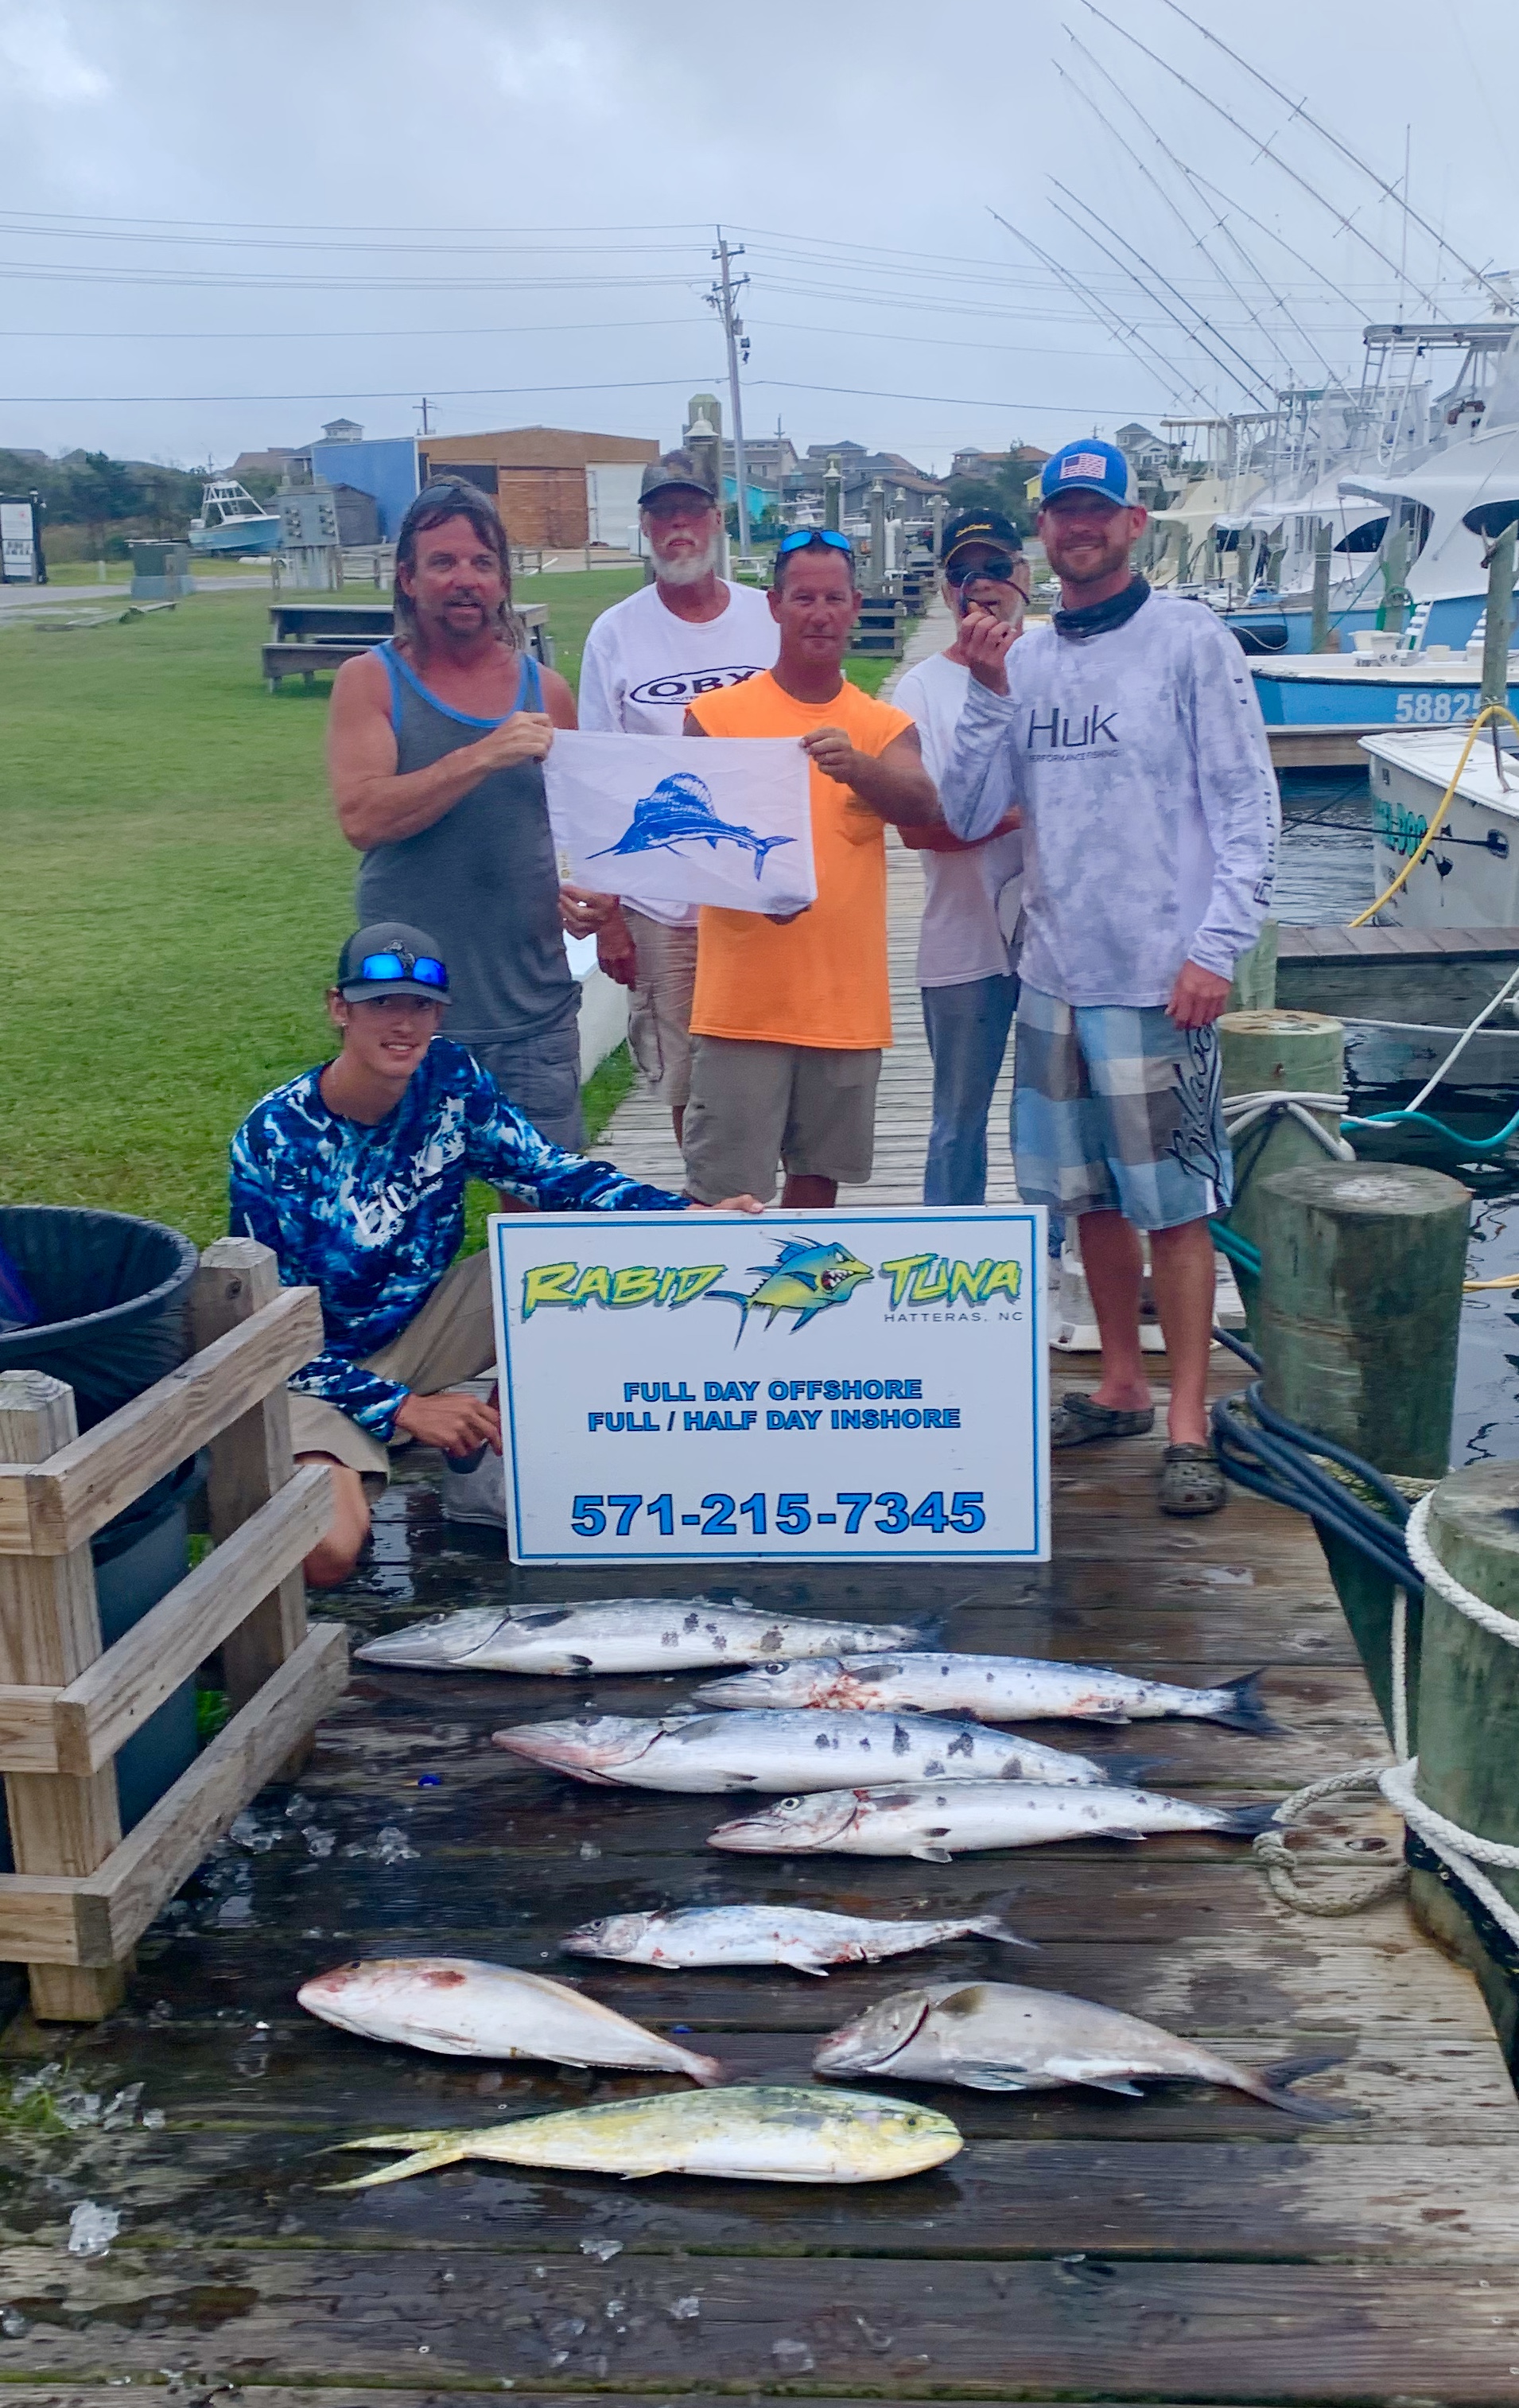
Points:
x=1088, y=468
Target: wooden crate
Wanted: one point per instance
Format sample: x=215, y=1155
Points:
x=82, y=1895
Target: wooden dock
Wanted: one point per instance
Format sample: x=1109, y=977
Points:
x=1191, y=2246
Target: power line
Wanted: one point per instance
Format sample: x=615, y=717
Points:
x=1099, y=309
x=1251, y=379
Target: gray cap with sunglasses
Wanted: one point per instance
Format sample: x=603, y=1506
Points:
x=389, y=958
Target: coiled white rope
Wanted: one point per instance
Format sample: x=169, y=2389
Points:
x=1242, y=1112
x=1464, y=1852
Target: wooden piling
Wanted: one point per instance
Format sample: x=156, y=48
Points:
x=1319, y=626
x=1498, y=632
x=1356, y=1320
x=1283, y=1053
x=1468, y=1714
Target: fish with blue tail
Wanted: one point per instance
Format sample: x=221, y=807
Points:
x=805, y=1281
x=680, y=811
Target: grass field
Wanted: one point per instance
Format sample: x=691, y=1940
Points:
x=178, y=892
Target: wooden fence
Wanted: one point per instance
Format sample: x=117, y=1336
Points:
x=82, y=1895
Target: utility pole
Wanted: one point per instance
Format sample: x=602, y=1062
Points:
x=722, y=297
x=425, y=428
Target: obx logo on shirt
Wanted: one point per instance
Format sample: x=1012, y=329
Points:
x=683, y=685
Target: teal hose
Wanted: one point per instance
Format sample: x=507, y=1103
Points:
x=1465, y=1146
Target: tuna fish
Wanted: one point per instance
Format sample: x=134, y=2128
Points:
x=618, y=1634
x=454, y=2007
x=764, y=2134
x=797, y=1935
x=999, y=2036
x=937, y=1820
x=715, y=1752
x=993, y=1688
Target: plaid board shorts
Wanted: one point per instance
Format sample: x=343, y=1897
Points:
x=1115, y=1108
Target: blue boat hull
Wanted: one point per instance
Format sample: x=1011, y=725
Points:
x=1260, y=629
x=251, y=536
x=1367, y=701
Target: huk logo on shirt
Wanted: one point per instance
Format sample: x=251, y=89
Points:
x=1062, y=731
x=684, y=685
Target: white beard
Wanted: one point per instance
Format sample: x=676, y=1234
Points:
x=691, y=566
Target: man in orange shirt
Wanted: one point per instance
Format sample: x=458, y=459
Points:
x=790, y=1016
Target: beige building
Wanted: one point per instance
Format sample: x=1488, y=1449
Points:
x=553, y=485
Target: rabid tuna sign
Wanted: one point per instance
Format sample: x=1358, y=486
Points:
x=712, y=1388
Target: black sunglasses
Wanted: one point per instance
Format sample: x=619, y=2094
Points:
x=999, y=568
x=382, y=968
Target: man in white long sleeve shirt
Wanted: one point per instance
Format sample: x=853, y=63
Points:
x=646, y=659
x=1128, y=737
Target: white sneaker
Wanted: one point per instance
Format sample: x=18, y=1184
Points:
x=477, y=1496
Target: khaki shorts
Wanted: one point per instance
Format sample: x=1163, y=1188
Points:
x=809, y=1108
x=659, y=1015
x=452, y=1339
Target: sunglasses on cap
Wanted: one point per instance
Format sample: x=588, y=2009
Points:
x=421, y=968
x=802, y=537
x=999, y=568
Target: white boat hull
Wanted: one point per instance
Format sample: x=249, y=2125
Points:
x=1470, y=876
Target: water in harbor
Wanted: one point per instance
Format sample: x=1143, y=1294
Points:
x=1325, y=876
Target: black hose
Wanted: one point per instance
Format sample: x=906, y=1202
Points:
x=1261, y=1450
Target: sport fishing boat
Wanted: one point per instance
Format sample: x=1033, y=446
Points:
x=232, y=522
x=1469, y=876
x=1381, y=684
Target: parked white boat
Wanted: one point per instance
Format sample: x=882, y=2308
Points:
x=231, y=521
x=1470, y=876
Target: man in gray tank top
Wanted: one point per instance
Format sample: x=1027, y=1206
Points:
x=435, y=749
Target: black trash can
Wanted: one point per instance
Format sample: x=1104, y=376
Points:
x=114, y=1294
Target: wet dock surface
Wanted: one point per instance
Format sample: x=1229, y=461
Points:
x=1189, y=2247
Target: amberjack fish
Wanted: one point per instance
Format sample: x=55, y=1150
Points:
x=717, y=1752
x=805, y=1281
x=1001, y=2036
x=992, y=1688
x=453, y=2006
x=767, y=2133
x=619, y=1634
x=800, y=1937
x=937, y=1820
x=680, y=811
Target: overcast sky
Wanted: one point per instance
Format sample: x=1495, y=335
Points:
x=221, y=224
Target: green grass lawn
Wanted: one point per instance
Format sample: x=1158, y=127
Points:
x=177, y=894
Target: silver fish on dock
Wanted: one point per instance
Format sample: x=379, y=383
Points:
x=1001, y=2036
x=937, y=1820
x=767, y=2133
x=619, y=1634
x=454, y=2006
x=991, y=1689
x=711, y=1754
x=800, y=1937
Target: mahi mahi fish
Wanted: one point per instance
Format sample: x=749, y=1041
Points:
x=935, y=1821
x=800, y=1937
x=715, y=1752
x=993, y=1688
x=767, y=2133
x=618, y=1634
x=1001, y=2036
x=455, y=2007
x=805, y=1281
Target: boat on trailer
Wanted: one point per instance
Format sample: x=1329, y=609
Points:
x=232, y=522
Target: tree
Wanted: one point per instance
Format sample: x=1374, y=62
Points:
x=1003, y=489
x=97, y=490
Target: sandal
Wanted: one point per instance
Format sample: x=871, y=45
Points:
x=1078, y=1420
x=1191, y=1481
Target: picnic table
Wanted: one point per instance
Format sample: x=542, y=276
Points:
x=314, y=639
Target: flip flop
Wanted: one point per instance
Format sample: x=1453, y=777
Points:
x=1191, y=1481
x=1078, y=1420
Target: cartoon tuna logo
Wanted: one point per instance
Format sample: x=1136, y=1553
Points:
x=805, y=1281
x=680, y=811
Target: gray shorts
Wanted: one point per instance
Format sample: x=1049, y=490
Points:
x=541, y=1076
x=452, y=1339
x=659, y=1015
x=809, y=1108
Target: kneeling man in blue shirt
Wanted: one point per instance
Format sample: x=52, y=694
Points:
x=354, y=1173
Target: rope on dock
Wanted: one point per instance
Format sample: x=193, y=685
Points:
x=1463, y=1852
x=1272, y=1104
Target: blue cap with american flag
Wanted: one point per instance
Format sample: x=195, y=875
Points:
x=1088, y=467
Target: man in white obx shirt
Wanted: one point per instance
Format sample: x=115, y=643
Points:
x=969, y=940
x=648, y=656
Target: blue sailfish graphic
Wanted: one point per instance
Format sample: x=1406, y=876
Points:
x=680, y=811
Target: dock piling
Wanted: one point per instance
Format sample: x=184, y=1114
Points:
x=1265, y=1051
x=1356, y=1320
